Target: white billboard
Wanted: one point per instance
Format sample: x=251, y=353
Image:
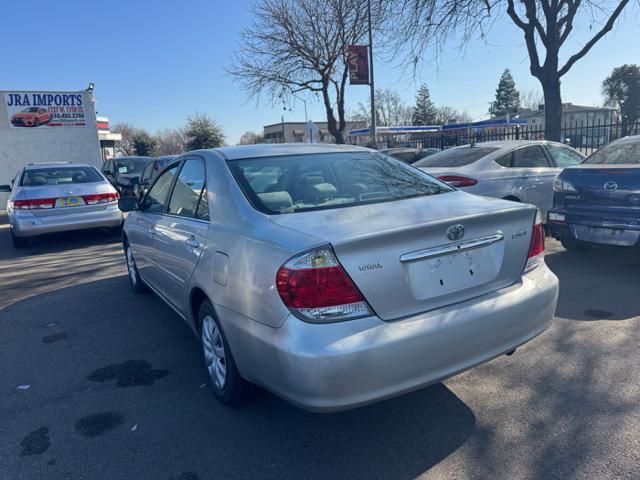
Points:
x=45, y=109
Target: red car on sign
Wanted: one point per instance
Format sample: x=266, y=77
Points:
x=31, y=117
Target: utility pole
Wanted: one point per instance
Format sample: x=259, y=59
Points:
x=372, y=128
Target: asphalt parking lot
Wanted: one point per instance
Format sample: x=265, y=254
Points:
x=99, y=383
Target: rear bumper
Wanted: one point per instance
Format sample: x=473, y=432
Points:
x=25, y=224
x=345, y=365
x=601, y=227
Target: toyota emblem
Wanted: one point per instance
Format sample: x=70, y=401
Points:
x=610, y=186
x=455, y=232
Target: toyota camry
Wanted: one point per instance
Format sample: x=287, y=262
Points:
x=335, y=276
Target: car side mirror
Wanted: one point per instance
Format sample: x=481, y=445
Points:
x=128, y=204
x=5, y=188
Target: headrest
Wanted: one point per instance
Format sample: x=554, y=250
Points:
x=276, y=201
x=38, y=180
x=77, y=177
x=320, y=191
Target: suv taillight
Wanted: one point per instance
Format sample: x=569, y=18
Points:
x=535, y=256
x=458, y=180
x=315, y=287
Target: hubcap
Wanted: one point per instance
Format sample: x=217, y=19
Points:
x=131, y=266
x=214, y=353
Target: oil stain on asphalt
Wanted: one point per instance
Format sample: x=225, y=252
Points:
x=98, y=424
x=54, y=338
x=36, y=443
x=131, y=373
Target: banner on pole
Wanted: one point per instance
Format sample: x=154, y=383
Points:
x=358, y=62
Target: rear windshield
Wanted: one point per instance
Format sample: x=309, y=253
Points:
x=38, y=177
x=127, y=166
x=455, y=157
x=296, y=183
x=616, y=154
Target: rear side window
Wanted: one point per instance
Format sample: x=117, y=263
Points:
x=297, y=183
x=455, y=157
x=128, y=166
x=530, y=157
x=505, y=160
x=155, y=200
x=39, y=177
x=625, y=153
x=564, y=157
x=188, y=189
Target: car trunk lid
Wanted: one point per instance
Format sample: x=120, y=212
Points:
x=598, y=187
x=414, y=255
x=66, y=199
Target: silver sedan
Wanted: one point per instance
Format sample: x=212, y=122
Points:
x=59, y=197
x=518, y=170
x=335, y=276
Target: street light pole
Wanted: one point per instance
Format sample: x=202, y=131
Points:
x=372, y=128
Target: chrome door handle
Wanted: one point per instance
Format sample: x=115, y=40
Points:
x=192, y=242
x=152, y=231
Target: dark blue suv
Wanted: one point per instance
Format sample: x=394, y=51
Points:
x=598, y=201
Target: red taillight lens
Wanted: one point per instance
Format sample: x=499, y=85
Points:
x=100, y=198
x=458, y=181
x=536, y=247
x=34, y=204
x=316, y=288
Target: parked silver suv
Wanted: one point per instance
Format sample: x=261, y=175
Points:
x=59, y=197
x=335, y=276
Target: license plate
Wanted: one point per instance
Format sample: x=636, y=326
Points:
x=454, y=272
x=69, y=202
x=606, y=236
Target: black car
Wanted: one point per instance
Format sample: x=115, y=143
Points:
x=149, y=174
x=409, y=155
x=124, y=173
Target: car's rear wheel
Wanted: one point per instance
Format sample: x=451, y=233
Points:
x=36, y=122
x=18, y=242
x=137, y=285
x=225, y=381
x=573, y=245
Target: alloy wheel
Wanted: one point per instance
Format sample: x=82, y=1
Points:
x=214, y=354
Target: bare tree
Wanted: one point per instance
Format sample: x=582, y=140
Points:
x=531, y=98
x=300, y=45
x=170, y=141
x=251, y=138
x=126, y=146
x=426, y=25
x=390, y=110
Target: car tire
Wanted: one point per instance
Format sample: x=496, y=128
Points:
x=137, y=284
x=572, y=245
x=36, y=123
x=19, y=242
x=225, y=381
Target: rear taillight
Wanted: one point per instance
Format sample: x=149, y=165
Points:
x=535, y=256
x=35, y=204
x=458, y=181
x=100, y=198
x=316, y=288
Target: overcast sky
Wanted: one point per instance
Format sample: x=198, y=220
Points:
x=156, y=62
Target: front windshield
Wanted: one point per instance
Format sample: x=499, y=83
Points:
x=296, y=183
x=623, y=153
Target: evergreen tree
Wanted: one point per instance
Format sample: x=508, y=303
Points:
x=203, y=132
x=507, y=97
x=424, y=112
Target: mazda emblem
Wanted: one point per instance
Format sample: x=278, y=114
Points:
x=610, y=185
x=455, y=232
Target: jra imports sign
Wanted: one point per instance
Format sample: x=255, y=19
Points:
x=35, y=110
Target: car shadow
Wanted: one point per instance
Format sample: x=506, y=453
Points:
x=104, y=324
x=53, y=242
x=585, y=283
